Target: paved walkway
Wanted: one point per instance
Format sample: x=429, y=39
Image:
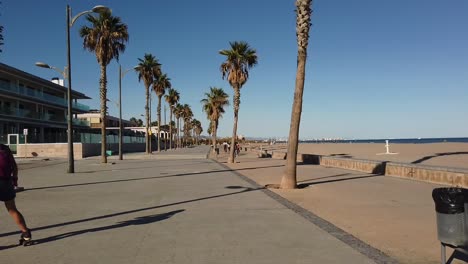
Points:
x=153, y=210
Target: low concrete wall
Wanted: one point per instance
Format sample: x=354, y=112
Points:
x=90, y=150
x=262, y=153
x=368, y=166
x=278, y=155
x=60, y=150
x=48, y=150
x=308, y=158
x=434, y=174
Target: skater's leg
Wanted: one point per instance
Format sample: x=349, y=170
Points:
x=17, y=216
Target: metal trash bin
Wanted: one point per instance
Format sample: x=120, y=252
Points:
x=451, y=217
x=451, y=206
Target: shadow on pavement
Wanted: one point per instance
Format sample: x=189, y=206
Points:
x=457, y=255
x=326, y=177
x=137, y=221
x=8, y=247
x=305, y=185
x=145, y=178
x=245, y=189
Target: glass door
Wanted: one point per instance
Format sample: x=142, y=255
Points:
x=13, y=142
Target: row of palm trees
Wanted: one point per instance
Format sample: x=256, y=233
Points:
x=149, y=70
x=106, y=38
x=239, y=59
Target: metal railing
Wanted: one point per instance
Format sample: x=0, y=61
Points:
x=36, y=94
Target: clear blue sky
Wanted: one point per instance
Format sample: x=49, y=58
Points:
x=376, y=69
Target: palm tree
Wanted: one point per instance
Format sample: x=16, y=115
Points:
x=303, y=17
x=178, y=111
x=210, y=128
x=172, y=98
x=148, y=69
x=197, y=129
x=160, y=84
x=239, y=59
x=136, y=122
x=187, y=115
x=213, y=105
x=106, y=37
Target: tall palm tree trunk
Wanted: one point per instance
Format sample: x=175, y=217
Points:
x=303, y=10
x=213, y=129
x=234, y=129
x=103, y=93
x=159, y=123
x=170, y=128
x=147, y=121
x=151, y=126
x=178, y=132
x=186, y=132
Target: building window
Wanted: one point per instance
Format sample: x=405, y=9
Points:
x=4, y=84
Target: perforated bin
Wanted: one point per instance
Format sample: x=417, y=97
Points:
x=452, y=219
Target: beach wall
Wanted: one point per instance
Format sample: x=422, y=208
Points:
x=368, y=166
x=441, y=175
x=427, y=173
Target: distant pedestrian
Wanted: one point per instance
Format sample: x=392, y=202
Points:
x=8, y=183
x=237, y=149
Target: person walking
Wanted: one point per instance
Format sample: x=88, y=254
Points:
x=8, y=182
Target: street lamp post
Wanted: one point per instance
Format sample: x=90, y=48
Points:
x=121, y=75
x=67, y=75
x=120, y=112
x=70, y=22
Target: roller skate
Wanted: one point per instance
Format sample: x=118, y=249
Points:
x=25, y=238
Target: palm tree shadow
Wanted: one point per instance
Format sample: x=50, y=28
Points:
x=243, y=190
x=149, y=178
x=326, y=177
x=439, y=155
x=305, y=185
x=341, y=155
x=137, y=221
x=8, y=247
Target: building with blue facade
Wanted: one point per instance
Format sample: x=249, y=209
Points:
x=36, y=106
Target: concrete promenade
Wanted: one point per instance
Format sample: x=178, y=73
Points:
x=175, y=207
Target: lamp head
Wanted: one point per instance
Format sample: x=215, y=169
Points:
x=42, y=65
x=100, y=9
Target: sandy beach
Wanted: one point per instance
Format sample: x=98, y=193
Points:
x=392, y=214
x=453, y=155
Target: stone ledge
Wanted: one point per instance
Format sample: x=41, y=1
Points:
x=278, y=155
x=434, y=174
x=368, y=166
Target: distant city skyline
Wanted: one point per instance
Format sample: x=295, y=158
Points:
x=376, y=69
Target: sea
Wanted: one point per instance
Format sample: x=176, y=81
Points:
x=393, y=140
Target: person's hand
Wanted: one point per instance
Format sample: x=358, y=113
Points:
x=15, y=181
